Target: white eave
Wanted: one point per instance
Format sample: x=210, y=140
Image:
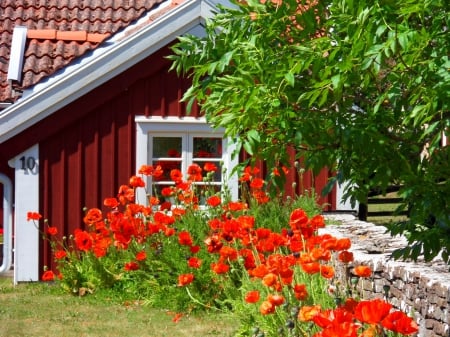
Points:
x=98, y=69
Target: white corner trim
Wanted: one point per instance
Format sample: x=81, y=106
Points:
x=116, y=59
x=19, y=39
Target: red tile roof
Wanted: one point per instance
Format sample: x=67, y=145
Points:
x=58, y=32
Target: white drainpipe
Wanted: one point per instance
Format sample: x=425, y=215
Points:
x=7, y=223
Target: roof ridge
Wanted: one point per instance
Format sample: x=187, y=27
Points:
x=77, y=35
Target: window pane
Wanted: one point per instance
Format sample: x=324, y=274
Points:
x=167, y=166
x=207, y=147
x=167, y=147
x=212, y=170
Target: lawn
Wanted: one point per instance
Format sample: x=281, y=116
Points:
x=40, y=309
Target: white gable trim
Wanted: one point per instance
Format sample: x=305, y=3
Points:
x=114, y=60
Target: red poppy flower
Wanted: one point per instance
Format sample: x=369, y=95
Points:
x=60, y=254
x=52, y=231
x=184, y=238
x=350, y=304
x=298, y=219
x=252, y=296
x=146, y=170
x=300, y=292
x=33, y=216
x=399, y=322
x=228, y=253
x=194, y=262
x=185, y=279
x=83, y=240
x=373, y=311
x=176, y=175
x=343, y=244
x=130, y=266
x=194, y=249
x=136, y=181
x=158, y=171
x=167, y=191
x=48, y=276
x=327, y=271
x=275, y=299
x=362, y=271
x=269, y=279
x=125, y=195
x=249, y=173
x=266, y=308
x=311, y=267
x=92, y=216
x=257, y=183
x=141, y=256
x=220, y=268
x=214, y=201
x=210, y=167
x=194, y=172
x=345, y=256
x=111, y=202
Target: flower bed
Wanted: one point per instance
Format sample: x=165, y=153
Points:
x=262, y=259
x=419, y=288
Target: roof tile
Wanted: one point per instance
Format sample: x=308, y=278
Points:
x=79, y=26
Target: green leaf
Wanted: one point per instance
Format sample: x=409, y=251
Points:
x=289, y=77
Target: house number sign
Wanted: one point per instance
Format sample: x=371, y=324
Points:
x=28, y=164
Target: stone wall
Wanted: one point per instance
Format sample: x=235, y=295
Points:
x=417, y=288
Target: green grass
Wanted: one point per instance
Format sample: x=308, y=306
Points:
x=40, y=309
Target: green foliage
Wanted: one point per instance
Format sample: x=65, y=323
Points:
x=361, y=87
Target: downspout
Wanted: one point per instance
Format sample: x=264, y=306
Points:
x=7, y=223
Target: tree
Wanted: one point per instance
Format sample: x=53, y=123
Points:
x=359, y=86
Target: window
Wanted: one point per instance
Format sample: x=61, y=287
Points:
x=183, y=144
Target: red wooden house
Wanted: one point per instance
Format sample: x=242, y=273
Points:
x=86, y=99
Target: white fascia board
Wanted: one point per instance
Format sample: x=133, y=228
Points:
x=118, y=58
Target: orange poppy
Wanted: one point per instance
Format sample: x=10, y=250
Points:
x=136, y=181
x=83, y=240
x=269, y=279
x=275, y=299
x=298, y=219
x=373, y=311
x=111, y=202
x=343, y=244
x=327, y=271
x=210, y=167
x=311, y=267
x=307, y=313
x=92, y=216
x=194, y=262
x=185, y=279
x=214, y=201
x=399, y=322
x=52, y=230
x=266, y=308
x=184, y=238
x=362, y=271
x=252, y=296
x=220, y=268
x=48, y=276
x=141, y=256
x=130, y=266
x=300, y=292
x=33, y=216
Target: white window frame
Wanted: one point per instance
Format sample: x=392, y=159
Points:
x=174, y=126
